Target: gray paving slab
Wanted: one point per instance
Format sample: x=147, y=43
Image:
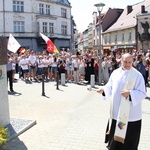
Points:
x=71, y=118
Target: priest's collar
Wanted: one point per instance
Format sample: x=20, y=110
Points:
x=125, y=70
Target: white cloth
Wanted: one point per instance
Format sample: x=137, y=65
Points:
x=32, y=60
x=51, y=60
x=122, y=120
x=45, y=62
x=53, y=63
x=116, y=83
x=24, y=64
x=40, y=63
x=76, y=63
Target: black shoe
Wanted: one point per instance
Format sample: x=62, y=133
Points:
x=11, y=90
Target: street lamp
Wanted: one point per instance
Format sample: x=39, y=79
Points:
x=99, y=9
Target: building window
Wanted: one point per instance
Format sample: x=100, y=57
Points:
x=94, y=23
x=63, y=13
x=109, y=39
x=115, y=38
x=97, y=30
x=45, y=27
x=130, y=36
x=97, y=42
x=51, y=27
x=122, y=37
x=64, y=29
x=93, y=32
x=18, y=6
x=41, y=8
x=106, y=40
x=47, y=9
x=94, y=42
x=18, y=26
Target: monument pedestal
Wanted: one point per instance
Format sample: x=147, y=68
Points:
x=4, y=105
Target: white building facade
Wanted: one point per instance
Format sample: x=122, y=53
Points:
x=25, y=19
x=85, y=39
x=90, y=37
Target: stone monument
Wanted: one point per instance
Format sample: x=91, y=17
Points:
x=4, y=105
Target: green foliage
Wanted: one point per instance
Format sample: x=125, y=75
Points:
x=3, y=136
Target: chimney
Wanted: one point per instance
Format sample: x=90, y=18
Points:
x=142, y=9
x=129, y=9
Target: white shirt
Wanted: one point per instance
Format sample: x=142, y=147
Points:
x=45, y=62
x=40, y=63
x=24, y=64
x=53, y=63
x=32, y=60
x=50, y=61
x=116, y=83
x=13, y=66
x=76, y=63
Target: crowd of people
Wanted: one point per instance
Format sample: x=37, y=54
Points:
x=77, y=68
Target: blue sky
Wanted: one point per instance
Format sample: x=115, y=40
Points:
x=82, y=9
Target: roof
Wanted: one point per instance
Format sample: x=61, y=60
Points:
x=147, y=9
x=63, y=2
x=128, y=20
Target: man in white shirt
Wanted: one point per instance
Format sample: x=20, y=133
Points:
x=24, y=63
x=116, y=89
x=32, y=65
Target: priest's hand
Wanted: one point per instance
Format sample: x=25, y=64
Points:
x=125, y=93
x=100, y=90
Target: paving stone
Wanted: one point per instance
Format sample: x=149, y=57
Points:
x=71, y=118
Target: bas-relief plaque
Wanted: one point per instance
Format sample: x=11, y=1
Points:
x=0, y=72
x=3, y=51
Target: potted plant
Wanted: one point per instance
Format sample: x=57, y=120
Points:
x=3, y=137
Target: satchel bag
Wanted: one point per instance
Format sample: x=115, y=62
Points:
x=75, y=69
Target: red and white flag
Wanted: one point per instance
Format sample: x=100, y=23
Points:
x=50, y=45
x=21, y=50
x=13, y=44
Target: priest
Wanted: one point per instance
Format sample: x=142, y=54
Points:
x=127, y=90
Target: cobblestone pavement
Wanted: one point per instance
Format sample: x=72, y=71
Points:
x=71, y=118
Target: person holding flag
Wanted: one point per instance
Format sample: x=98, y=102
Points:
x=13, y=44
